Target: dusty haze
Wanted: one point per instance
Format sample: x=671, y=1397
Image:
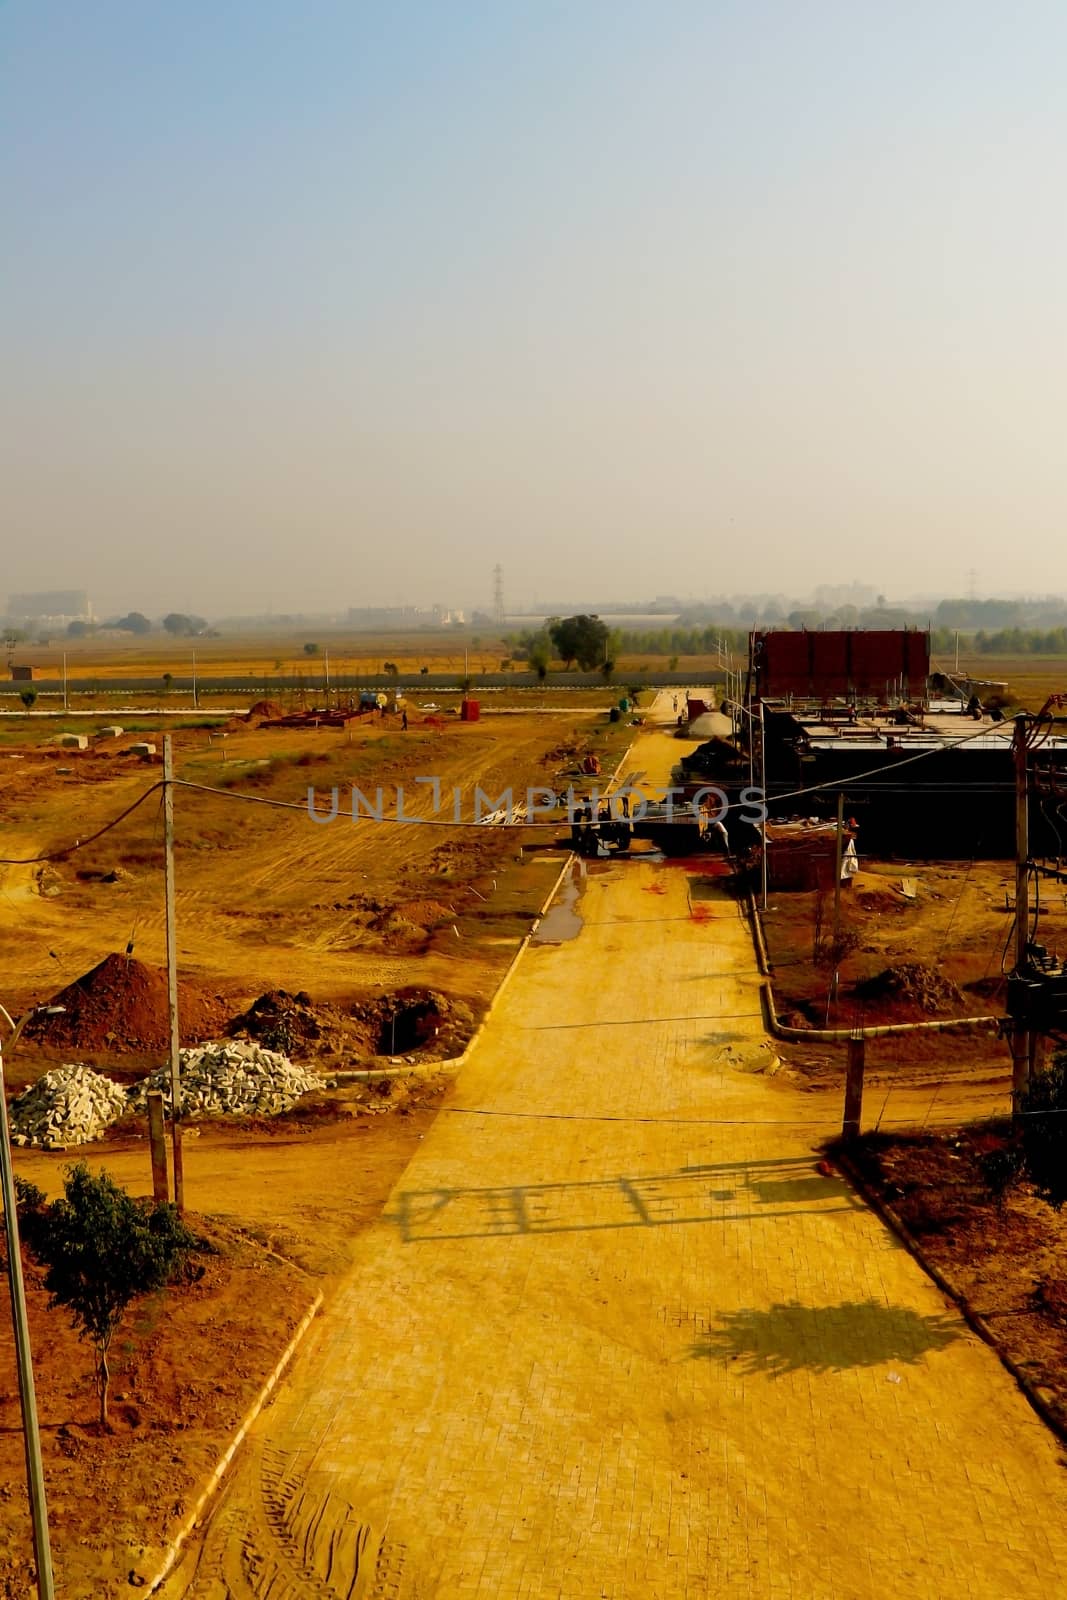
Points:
x=341, y=304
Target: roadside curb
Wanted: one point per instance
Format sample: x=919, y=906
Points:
x=457, y=1061
x=1051, y=1414
x=174, y=1549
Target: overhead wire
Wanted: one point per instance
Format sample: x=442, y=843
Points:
x=79, y=843
x=436, y=822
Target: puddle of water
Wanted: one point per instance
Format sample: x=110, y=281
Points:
x=561, y=921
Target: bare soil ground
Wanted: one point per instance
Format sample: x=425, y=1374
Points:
x=1007, y=1256
x=282, y=1203
x=267, y=898
x=944, y=943
x=1030, y=679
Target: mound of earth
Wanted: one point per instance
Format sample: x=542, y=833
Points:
x=911, y=983
x=121, y=1004
x=268, y=710
x=880, y=900
x=282, y=1021
x=415, y=1020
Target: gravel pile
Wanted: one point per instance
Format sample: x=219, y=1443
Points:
x=69, y=1105
x=231, y=1080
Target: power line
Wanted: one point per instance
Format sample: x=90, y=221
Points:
x=80, y=844
x=437, y=822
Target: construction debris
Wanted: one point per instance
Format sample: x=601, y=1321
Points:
x=231, y=1080
x=68, y=1105
x=913, y=984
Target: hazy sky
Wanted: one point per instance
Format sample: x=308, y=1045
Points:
x=330, y=303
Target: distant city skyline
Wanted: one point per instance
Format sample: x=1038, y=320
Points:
x=655, y=610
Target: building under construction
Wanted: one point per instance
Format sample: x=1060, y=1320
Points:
x=923, y=776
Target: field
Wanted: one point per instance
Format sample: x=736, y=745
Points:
x=1030, y=679
x=259, y=655
x=268, y=899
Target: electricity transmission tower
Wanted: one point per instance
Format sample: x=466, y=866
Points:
x=498, y=595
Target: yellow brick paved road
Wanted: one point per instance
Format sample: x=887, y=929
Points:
x=616, y=1336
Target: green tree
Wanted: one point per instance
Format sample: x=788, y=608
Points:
x=134, y=622
x=539, y=655
x=311, y=649
x=102, y=1250
x=181, y=626
x=28, y=697
x=582, y=639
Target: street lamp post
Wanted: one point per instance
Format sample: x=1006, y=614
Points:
x=27, y=1397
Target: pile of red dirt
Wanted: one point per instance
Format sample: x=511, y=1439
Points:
x=122, y=1005
x=269, y=710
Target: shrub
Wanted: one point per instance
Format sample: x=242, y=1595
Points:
x=102, y=1250
x=1044, y=1131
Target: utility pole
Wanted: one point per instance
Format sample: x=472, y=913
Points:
x=763, y=782
x=854, y=1070
x=31, y=1433
x=839, y=857
x=65, y=705
x=1019, y=1036
x=172, y=973
x=196, y=702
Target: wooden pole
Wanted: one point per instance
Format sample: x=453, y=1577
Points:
x=839, y=857
x=854, y=1069
x=31, y=1431
x=763, y=785
x=172, y=973
x=1020, y=1043
x=158, y=1142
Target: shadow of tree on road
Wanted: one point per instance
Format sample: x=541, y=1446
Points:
x=857, y=1333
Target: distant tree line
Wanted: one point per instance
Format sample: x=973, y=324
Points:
x=588, y=644
x=176, y=623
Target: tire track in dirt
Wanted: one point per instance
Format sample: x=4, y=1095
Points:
x=264, y=897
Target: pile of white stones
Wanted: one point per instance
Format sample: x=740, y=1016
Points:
x=69, y=1105
x=234, y=1079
